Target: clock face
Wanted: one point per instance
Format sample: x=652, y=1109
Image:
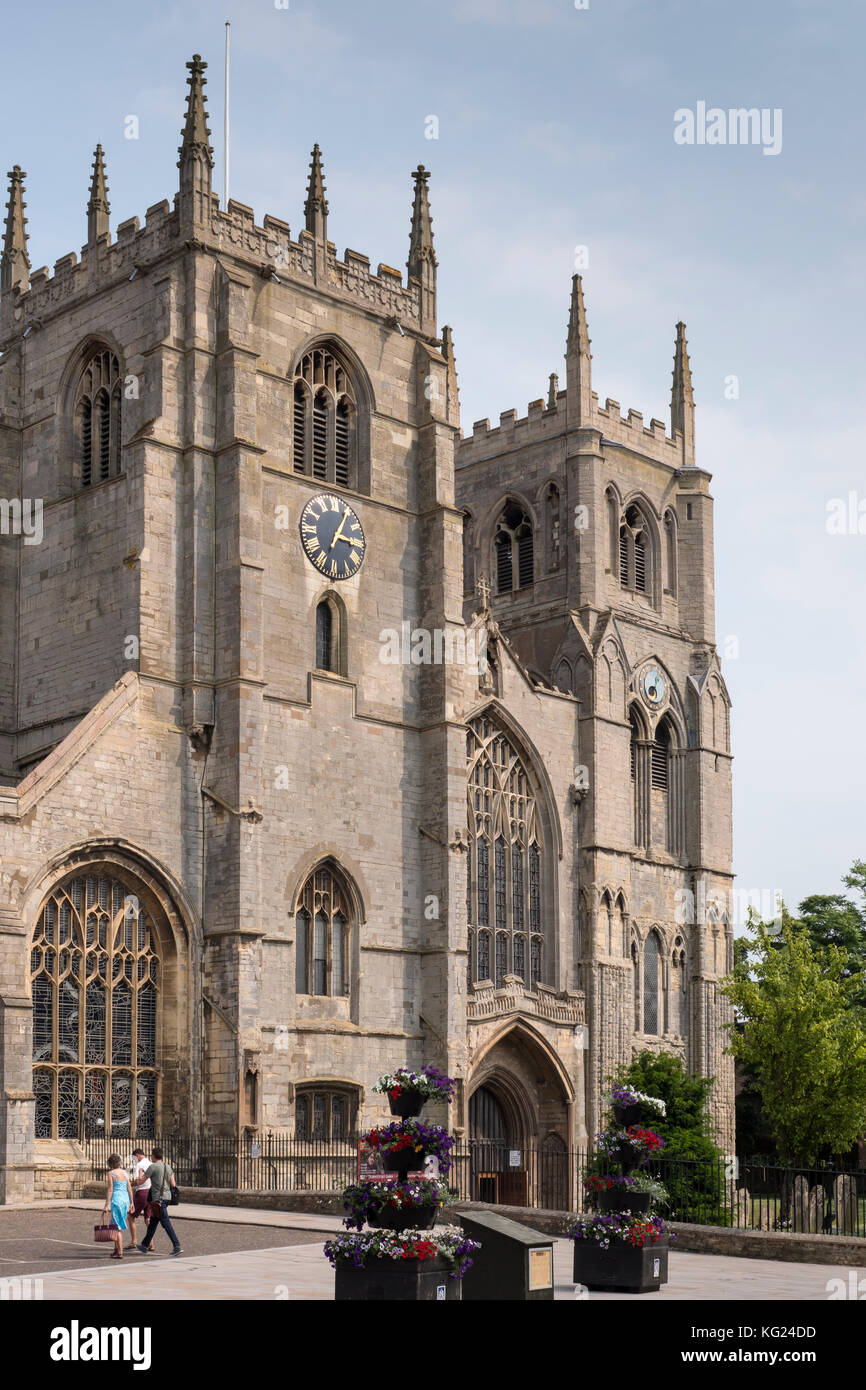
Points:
x=332, y=536
x=654, y=685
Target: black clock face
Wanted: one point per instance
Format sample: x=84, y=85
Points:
x=332, y=536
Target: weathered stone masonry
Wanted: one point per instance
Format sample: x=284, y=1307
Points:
x=166, y=724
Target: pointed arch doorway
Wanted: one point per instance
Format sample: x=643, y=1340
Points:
x=498, y=1148
x=520, y=1120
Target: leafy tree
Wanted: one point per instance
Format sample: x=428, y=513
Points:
x=833, y=920
x=800, y=1035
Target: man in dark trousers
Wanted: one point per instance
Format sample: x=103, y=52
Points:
x=161, y=1178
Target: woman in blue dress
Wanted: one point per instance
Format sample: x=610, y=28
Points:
x=118, y=1199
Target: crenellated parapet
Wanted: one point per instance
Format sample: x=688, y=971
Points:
x=577, y=412
x=195, y=220
x=543, y=422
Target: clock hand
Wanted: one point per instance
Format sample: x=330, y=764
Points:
x=338, y=536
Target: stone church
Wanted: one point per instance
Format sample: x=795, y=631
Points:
x=249, y=859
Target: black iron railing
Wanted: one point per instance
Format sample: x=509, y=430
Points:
x=745, y=1193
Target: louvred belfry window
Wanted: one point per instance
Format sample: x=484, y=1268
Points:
x=634, y=555
x=324, y=420
x=503, y=810
x=514, y=549
x=660, y=756
x=95, y=979
x=98, y=402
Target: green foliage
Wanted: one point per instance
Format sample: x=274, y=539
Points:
x=799, y=1034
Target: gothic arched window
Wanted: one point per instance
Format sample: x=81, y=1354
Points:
x=651, y=972
x=98, y=418
x=323, y=917
x=324, y=636
x=331, y=645
x=324, y=420
x=506, y=861
x=95, y=979
x=634, y=552
x=513, y=545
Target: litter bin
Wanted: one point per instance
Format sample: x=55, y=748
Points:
x=514, y=1262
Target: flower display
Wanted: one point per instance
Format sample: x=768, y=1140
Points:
x=412, y=1134
x=637, y=1231
x=429, y=1082
x=641, y=1141
x=625, y=1095
x=363, y=1201
x=604, y=1182
x=597, y=1183
x=449, y=1242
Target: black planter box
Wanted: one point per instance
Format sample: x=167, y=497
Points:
x=628, y=1115
x=409, y=1103
x=397, y=1281
x=622, y=1267
x=623, y=1199
x=392, y=1218
x=403, y=1161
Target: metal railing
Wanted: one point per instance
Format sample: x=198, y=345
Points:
x=748, y=1194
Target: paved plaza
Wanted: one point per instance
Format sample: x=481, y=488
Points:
x=231, y=1253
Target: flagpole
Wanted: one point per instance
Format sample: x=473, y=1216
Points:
x=226, y=131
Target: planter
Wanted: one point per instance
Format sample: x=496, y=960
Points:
x=404, y=1218
x=627, y=1115
x=623, y=1199
x=627, y=1157
x=623, y=1267
x=407, y=1104
x=403, y=1161
x=397, y=1281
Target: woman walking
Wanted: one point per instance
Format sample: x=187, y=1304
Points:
x=118, y=1199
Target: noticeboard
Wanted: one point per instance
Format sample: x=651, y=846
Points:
x=540, y=1275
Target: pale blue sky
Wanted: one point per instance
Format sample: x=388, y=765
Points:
x=556, y=129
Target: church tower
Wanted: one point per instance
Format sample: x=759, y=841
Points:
x=597, y=531
x=331, y=741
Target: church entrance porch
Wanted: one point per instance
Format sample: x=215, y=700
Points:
x=520, y=1120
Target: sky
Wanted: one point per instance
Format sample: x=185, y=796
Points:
x=555, y=130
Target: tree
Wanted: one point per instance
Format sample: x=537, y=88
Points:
x=800, y=1035
x=834, y=920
